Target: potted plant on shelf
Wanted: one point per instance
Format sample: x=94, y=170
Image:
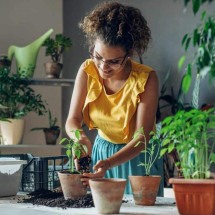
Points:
x=17, y=99
x=191, y=134
x=52, y=132
x=71, y=179
x=145, y=188
x=55, y=47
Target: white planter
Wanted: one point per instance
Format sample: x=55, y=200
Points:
x=12, y=132
x=10, y=176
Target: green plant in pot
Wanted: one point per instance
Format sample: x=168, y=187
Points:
x=71, y=179
x=51, y=132
x=17, y=99
x=145, y=188
x=191, y=134
x=55, y=47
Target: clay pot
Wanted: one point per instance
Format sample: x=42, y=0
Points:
x=51, y=135
x=107, y=194
x=194, y=196
x=145, y=189
x=53, y=70
x=72, y=186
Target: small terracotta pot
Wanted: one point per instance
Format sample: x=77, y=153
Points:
x=145, y=189
x=53, y=70
x=107, y=194
x=51, y=135
x=72, y=186
x=194, y=196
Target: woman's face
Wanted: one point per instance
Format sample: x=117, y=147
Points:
x=109, y=60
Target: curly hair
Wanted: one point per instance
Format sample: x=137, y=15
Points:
x=117, y=25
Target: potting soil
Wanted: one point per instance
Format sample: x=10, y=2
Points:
x=56, y=199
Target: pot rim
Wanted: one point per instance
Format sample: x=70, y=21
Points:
x=191, y=181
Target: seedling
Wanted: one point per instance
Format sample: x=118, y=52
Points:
x=74, y=148
x=151, y=150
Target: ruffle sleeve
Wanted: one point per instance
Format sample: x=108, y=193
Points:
x=138, y=80
x=94, y=89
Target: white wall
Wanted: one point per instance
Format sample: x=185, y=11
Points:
x=22, y=22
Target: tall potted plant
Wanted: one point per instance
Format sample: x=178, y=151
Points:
x=145, y=188
x=17, y=99
x=71, y=179
x=191, y=134
x=203, y=62
x=55, y=47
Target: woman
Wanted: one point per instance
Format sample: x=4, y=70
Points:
x=113, y=93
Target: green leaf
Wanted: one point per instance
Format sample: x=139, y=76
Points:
x=187, y=43
x=184, y=39
x=186, y=82
x=196, y=6
x=163, y=151
x=171, y=147
x=181, y=62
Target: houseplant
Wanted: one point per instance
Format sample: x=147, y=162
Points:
x=191, y=134
x=51, y=132
x=145, y=188
x=17, y=99
x=71, y=179
x=55, y=47
x=203, y=61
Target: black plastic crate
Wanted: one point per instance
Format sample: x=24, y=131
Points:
x=40, y=172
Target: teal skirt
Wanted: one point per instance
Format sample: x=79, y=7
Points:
x=103, y=149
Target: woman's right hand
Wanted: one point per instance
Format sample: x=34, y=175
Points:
x=99, y=171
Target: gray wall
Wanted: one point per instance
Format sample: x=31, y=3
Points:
x=168, y=23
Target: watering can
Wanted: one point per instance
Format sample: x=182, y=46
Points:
x=26, y=57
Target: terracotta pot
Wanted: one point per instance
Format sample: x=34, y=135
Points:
x=72, y=186
x=194, y=196
x=107, y=194
x=145, y=189
x=53, y=70
x=51, y=135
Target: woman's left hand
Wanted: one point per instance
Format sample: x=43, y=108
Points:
x=100, y=169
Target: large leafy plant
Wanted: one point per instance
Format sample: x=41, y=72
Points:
x=203, y=41
x=56, y=46
x=73, y=148
x=151, y=149
x=17, y=98
x=192, y=135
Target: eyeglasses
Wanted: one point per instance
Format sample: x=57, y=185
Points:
x=113, y=64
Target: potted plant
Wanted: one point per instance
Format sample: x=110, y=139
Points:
x=52, y=132
x=71, y=179
x=17, y=99
x=191, y=134
x=145, y=188
x=203, y=62
x=55, y=47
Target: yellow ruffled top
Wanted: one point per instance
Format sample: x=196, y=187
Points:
x=114, y=115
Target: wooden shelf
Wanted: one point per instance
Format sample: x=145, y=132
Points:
x=52, y=82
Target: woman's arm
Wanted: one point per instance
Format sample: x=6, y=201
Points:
x=146, y=113
x=75, y=119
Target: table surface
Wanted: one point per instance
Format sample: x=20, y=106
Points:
x=9, y=206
